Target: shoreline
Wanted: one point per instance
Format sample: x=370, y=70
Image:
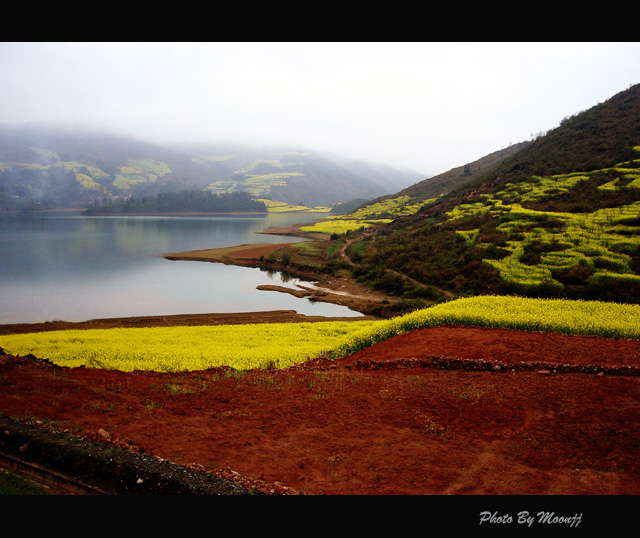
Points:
x=318, y=287
x=340, y=291
x=174, y=320
x=175, y=214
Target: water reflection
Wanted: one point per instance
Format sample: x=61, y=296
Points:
x=66, y=266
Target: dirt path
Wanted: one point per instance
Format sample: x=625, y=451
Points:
x=349, y=261
x=342, y=291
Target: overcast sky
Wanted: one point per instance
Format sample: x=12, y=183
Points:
x=427, y=107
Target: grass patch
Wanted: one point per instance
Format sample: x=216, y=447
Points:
x=12, y=484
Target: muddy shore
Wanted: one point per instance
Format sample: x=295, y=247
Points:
x=270, y=316
x=341, y=291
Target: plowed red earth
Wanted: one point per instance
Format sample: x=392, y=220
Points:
x=438, y=411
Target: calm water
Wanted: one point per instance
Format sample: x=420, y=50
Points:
x=64, y=266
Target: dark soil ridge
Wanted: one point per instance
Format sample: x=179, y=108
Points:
x=458, y=363
x=105, y=468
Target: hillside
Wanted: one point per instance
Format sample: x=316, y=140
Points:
x=559, y=217
x=430, y=189
x=47, y=167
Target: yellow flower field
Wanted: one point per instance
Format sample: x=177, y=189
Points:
x=279, y=345
x=242, y=347
x=609, y=320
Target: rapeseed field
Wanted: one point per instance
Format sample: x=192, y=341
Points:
x=279, y=345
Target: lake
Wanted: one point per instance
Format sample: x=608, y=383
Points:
x=65, y=266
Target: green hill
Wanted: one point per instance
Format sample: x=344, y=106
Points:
x=559, y=217
x=46, y=167
x=428, y=190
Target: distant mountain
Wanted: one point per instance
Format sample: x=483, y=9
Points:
x=388, y=178
x=555, y=217
x=49, y=167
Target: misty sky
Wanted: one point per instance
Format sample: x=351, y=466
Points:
x=428, y=107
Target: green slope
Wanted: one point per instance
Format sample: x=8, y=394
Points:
x=558, y=218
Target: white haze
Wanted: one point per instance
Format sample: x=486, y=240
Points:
x=427, y=107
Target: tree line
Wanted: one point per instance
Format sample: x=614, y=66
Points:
x=187, y=201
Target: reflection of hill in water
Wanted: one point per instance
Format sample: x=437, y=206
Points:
x=78, y=268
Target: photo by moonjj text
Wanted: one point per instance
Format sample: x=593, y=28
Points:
x=525, y=518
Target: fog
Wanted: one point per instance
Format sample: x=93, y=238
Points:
x=427, y=107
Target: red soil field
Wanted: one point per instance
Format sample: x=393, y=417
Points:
x=439, y=411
